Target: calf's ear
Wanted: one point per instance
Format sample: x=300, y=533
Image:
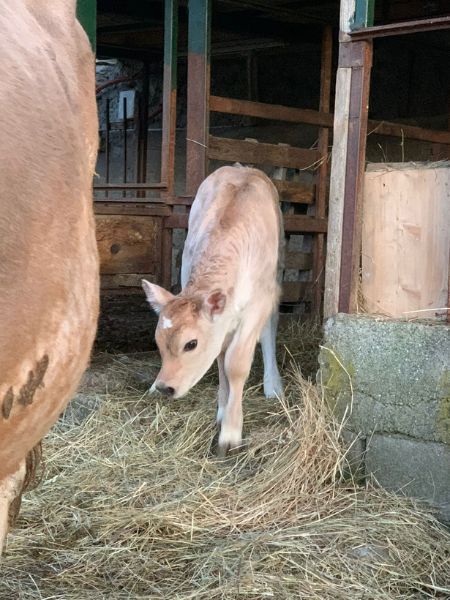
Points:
x=157, y=296
x=215, y=303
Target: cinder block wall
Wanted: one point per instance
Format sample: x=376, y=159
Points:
x=392, y=379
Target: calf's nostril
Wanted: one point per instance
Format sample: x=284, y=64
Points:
x=166, y=390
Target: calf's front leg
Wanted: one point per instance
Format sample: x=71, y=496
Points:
x=238, y=360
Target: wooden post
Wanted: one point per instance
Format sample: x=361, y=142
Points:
x=347, y=168
x=169, y=121
x=198, y=89
x=322, y=173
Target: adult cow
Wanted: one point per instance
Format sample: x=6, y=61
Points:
x=230, y=273
x=48, y=255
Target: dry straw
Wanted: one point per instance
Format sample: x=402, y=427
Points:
x=135, y=505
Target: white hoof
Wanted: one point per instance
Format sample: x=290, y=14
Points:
x=273, y=387
x=230, y=438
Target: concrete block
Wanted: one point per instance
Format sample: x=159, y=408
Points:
x=393, y=376
x=414, y=468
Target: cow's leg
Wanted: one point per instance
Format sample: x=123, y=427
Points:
x=273, y=385
x=238, y=360
x=224, y=388
x=10, y=490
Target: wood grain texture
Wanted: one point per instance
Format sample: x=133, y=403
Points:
x=129, y=244
x=405, y=241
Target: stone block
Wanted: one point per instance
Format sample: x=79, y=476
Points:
x=388, y=376
x=412, y=467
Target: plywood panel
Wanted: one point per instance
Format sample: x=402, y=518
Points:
x=405, y=242
x=129, y=244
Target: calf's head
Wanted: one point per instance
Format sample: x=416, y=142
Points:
x=189, y=336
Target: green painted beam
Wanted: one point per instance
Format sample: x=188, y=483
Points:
x=87, y=15
x=200, y=27
x=364, y=12
x=171, y=39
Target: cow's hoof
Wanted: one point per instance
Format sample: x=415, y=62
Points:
x=273, y=388
x=229, y=439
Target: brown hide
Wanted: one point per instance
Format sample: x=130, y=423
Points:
x=48, y=256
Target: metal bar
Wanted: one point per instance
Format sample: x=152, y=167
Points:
x=401, y=28
x=169, y=93
x=198, y=92
x=124, y=125
x=142, y=142
x=354, y=175
x=169, y=127
x=323, y=170
x=107, y=143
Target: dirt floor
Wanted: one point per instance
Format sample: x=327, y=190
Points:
x=134, y=503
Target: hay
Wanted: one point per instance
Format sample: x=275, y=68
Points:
x=136, y=505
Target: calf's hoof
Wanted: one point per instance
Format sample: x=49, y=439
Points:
x=229, y=439
x=273, y=388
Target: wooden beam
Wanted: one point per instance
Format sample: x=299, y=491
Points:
x=347, y=170
x=292, y=223
x=231, y=150
x=303, y=261
x=125, y=280
x=322, y=174
x=294, y=191
x=401, y=28
x=410, y=132
x=198, y=93
x=275, y=112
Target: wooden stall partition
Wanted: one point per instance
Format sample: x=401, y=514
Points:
x=405, y=239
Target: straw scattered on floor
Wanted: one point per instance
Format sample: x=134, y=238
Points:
x=135, y=504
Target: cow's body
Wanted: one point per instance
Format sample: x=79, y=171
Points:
x=229, y=299
x=48, y=255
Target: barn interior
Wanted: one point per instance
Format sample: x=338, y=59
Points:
x=262, y=93
x=133, y=501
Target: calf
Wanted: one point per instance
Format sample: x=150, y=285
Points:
x=48, y=255
x=229, y=297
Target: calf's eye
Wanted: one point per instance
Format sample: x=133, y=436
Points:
x=190, y=346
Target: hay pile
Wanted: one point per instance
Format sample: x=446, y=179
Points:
x=136, y=505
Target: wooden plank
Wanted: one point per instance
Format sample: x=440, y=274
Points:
x=275, y=112
x=323, y=170
x=321, y=118
x=294, y=291
x=127, y=208
x=243, y=151
x=292, y=223
x=128, y=244
x=304, y=224
x=128, y=280
x=405, y=243
x=401, y=28
x=294, y=191
x=410, y=132
x=354, y=178
x=198, y=89
x=337, y=189
x=303, y=261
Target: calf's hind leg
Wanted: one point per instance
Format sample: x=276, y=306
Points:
x=10, y=491
x=273, y=385
x=224, y=388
